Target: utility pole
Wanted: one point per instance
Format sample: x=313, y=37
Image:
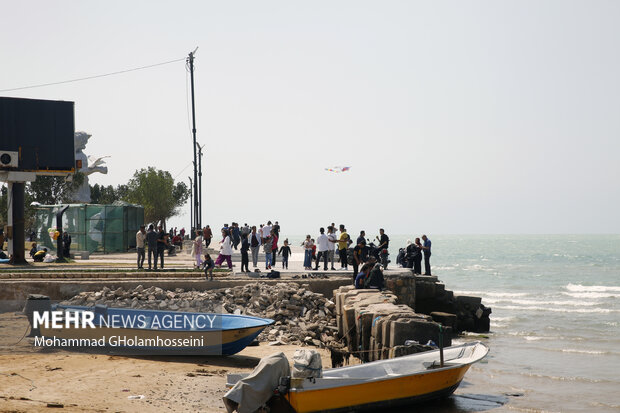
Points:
x=195, y=222
x=200, y=185
x=191, y=215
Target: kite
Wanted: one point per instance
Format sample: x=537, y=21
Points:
x=338, y=169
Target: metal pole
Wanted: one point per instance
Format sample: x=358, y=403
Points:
x=191, y=216
x=200, y=185
x=196, y=200
x=16, y=210
x=440, y=345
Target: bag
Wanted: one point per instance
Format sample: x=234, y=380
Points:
x=273, y=274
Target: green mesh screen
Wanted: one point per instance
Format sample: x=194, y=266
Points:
x=93, y=228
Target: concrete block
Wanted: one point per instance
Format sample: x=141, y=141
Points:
x=468, y=302
x=424, y=290
x=445, y=319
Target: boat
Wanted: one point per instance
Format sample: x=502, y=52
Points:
x=383, y=384
x=141, y=331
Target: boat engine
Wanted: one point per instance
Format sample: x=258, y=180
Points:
x=39, y=303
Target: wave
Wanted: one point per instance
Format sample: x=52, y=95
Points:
x=547, y=302
x=592, y=294
x=578, y=351
x=556, y=310
x=487, y=294
x=591, y=288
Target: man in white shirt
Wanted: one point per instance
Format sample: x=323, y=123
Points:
x=331, y=244
x=267, y=230
x=322, y=248
x=140, y=238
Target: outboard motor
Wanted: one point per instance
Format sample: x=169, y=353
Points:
x=39, y=303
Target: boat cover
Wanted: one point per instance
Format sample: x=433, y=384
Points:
x=307, y=364
x=253, y=391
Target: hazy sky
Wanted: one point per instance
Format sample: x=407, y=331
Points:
x=455, y=116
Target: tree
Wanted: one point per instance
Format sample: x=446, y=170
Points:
x=54, y=190
x=156, y=191
x=100, y=194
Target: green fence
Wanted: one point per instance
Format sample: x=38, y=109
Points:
x=93, y=227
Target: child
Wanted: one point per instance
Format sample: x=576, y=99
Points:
x=268, y=248
x=285, y=251
x=208, y=265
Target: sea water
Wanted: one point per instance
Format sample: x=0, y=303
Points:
x=555, y=326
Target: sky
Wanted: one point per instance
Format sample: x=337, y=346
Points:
x=455, y=117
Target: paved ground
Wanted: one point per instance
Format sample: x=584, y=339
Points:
x=182, y=262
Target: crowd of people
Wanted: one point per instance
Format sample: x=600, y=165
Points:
x=158, y=242
x=331, y=245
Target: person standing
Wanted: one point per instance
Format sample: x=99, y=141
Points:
x=236, y=235
x=426, y=249
x=207, y=235
x=182, y=233
x=285, y=251
x=245, y=231
x=362, y=237
x=276, y=229
x=197, y=248
x=308, y=245
x=331, y=244
x=255, y=245
x=417, y=256
x=322, y=242
x=245, y=246
x=162, y=243
x=140, y=239
x=266, y=230
x=384, y=244
x=343, y=243
x=267, y=248
x=274, y=246
x=151, y=241
x=66, y=244
x=225, y=251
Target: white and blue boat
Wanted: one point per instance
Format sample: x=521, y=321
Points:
x=141, y=331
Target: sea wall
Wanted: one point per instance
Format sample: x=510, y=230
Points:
x=375, y=326
x=425, y=294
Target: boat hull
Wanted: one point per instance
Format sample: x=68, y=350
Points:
x=386, y=383
x=373, y=395
x=153, y=331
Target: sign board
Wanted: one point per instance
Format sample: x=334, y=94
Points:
x=37, y=136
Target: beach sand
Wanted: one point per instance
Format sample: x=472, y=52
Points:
x=30, y=378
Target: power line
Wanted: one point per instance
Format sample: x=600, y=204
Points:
x=93, y=77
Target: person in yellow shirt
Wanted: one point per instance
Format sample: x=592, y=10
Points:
x=343, y=243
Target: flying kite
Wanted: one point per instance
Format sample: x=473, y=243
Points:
x=338, y=169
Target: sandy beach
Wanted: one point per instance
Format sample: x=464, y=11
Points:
x=31, y=379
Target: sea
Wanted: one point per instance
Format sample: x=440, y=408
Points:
x=555, y=326
x=555, y=323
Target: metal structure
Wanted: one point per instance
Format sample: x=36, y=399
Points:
x=196, y=204
x=93, y=227
x=36, y=137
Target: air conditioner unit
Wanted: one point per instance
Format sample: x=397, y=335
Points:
x=8, y=159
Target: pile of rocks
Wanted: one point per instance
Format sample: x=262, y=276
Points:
x=301, y=316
